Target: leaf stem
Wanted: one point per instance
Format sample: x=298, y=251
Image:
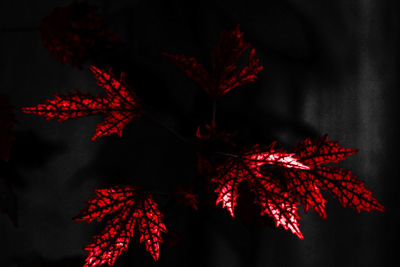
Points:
x=227, y=154
x=164, y=125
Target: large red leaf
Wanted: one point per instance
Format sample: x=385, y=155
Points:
x=282, y=179
x=132, y=208
x=225, y=75
x=120, y=105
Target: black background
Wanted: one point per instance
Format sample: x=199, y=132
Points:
x=330, y=67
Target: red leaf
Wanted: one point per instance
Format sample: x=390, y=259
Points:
x=151, y=226
x=225, y=75
x=344, y=186
x=120, y=105
x=274, y=201
x=7, y=122
x=193, y=69
x=306, y=190
x=186, y=197
x=131, y=207
x=211, y=134
x=76, y=32
x=321, y=151
x=340, y=183
x=279, y=179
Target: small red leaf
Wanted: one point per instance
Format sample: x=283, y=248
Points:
x=186, y=197
x=225, y=75
x=131, y=207
x=120, y=105
x=211, y=134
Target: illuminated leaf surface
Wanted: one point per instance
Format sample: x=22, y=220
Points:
x=119, y=104
x=274, y=201
x=342, y=184
x=131, y=208
x=281, y=180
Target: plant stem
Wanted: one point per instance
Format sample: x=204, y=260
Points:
x=170, y=129
x=227, y=154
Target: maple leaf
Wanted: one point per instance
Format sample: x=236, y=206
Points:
x=7, y=122
x=268, y=192
x=279, y=179
x=186, y=197
x=74, y=33
x=120, y=105
x=225, y=75
x=132, y=207
x=342, y=184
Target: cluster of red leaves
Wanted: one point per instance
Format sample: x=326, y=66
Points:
x=74, y=33
x=281, y=180
x=132, y=207
x=120, y=105
x=7, y=121
x=225, y=75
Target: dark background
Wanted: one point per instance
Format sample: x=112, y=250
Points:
x=330, y=67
